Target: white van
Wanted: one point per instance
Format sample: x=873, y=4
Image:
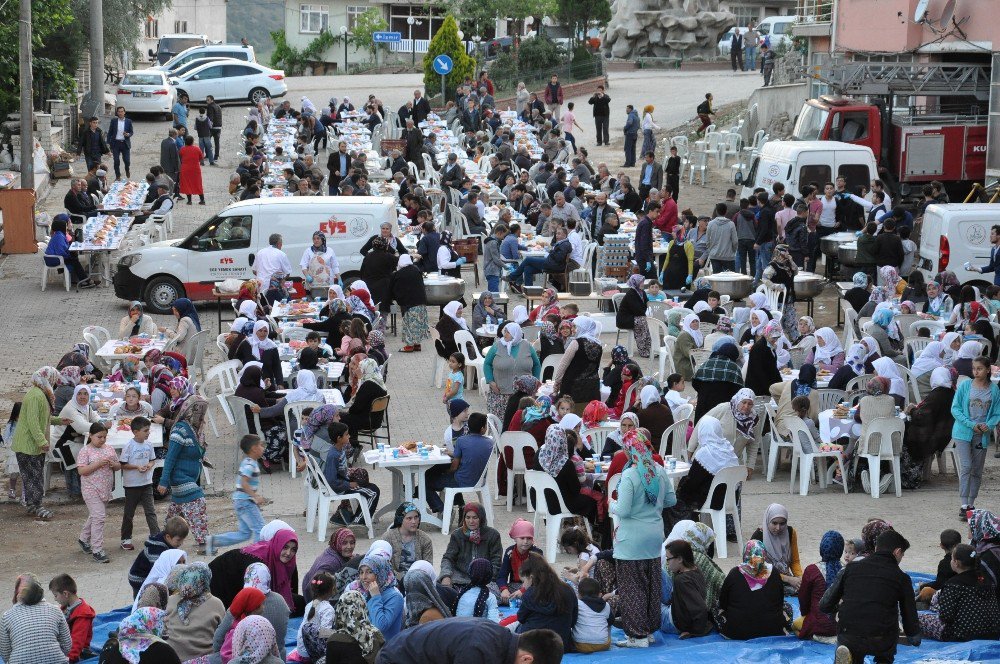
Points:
x=170, y=45
x=954, y=234
x=779, y=28
x=225, y=245
x=202, y=52
x=797, y=163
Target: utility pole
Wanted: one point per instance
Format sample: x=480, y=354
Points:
x=94, y=103
x=27, y=137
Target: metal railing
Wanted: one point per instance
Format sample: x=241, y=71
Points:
x=814, y=11
x=421, y=46
x=506, y=82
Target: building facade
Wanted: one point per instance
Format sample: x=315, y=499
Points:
x=199, y=17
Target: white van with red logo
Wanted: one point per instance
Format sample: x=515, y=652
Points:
x=224, y=246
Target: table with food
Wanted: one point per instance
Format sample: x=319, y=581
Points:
x=119, y=349
x=408, y=464
x=125, y=195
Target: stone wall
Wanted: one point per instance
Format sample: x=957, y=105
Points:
x=683, y=29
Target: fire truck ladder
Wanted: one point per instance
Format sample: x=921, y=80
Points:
x=932, y=79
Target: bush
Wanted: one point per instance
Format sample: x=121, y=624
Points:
x=539, y=54
x=445, y=41
x=504, y=71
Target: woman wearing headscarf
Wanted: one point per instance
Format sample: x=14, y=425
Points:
x=813, y=623
x=702, y=541
x=319, y=263
x=898, y=388
x=551, y=343
x=783, y=392
x=358, y=414
x=80, y=357
x=188, y=323
x=968, y=351
x=983, y=328
x=448, y=261
x=871, y=352
x=644, y=491
x=939, y=304
x=386, y=235
x=339, y=553
x=360, y=302
x=376, y=270
x=674, y=318
x=136, y=322
x=160, y=570
x=752, y=597
x=717, y=379
x=854, y=366
x=828, y=354
x=524, y=385
x=254, y=345
x=554, y=459
x=762, y=363
x=613, y=372
x=32, y=437
x=807, y=334
x=984, y=535
x=781, y=546
x=631, y=314
x=549, y=305
x=406, y=286
x=355, y=640
x=931, y=358
x=277, y=554
x=423, y=603
x=409, y=543
x=485, y=312
x=450, y=322
x=509, y=356
x=69, y=377
x=714, y=453
x=255, y=642
x=142, y=639
x=885, y=332
x=384, y=601
x=755, y=326
x=270, y=412
x=255, y=597
x=474, y=538
x=33, y=631
x=781, y=272
x=335, y=313
x=315, y=437
x=654, y=415
x=155, y=594
x=128, y=370
x=59, y=243
x=928, y=429
x=193, y=614
x=577, y=373
x=689, y=340
x=860, y=293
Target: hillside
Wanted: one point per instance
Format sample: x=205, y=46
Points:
x=255, y=20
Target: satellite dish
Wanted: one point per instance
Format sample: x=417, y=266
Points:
x=947, y=14
x=920, y=14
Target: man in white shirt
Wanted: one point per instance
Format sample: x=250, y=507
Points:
x=576, y=239
x=272, y=262
x=561, y=211
x=878, y=185
x=828, y=212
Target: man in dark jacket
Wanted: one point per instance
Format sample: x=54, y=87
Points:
x=471, y=640
x=203, y=127
x=215, y=116
x=644, y=241
x=170, y=160
x=631, y=135
x=421, y=107
x=602, y=115
x=92, y=144
x=764, y=242
x=427, y=247
x=452, y=175
x=868, y=597
x=120, y=137
x=339, y=165
x=797, y=235
x=78, y=201
x=650, y=175
x=889, y=246
x=736, y=50
x=553, y=263
x=471, y=118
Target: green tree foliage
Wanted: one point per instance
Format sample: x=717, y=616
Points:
x=295, y=61
x=579, y=15
x=539, y=54
x=478, y=16
x=445, y=41
x=365, y=27
x=124, y=22
x=50, y=17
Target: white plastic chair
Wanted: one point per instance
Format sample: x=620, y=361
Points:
x=776, y=443
x=539, y=482
x=194, y=353
x=49, y=270
x=100, y=333
x=551, y=362
x=517, y=442
x=240, y=407
x=729, y=478
x=597, y=437
x=699, y=165
x=884, y=442
x=440, y=364
x=802, y=460
x=295, y=408
x=934, y=326
x=97, y=360
x=955, y=461
x=829, y=398
x=858, y=382
x=220, y=343
x=913, y=390
x=226, y=375
x=674, y=440
x=473, y=357
x=482, y=487
x=775, y=297
x=319, y=498
x=294, y=334
x=658, y=335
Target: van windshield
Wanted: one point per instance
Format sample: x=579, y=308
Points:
x=809, y=126
x=221, y=234
x=173, y=45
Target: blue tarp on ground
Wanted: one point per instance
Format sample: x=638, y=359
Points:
x=669, y=649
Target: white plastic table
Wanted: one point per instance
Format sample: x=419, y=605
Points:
x=334, y=370
x=408, y=473
x=107, y=351
x=118, y=439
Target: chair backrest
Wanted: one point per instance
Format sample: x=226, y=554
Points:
x=798, y=355
x=226, y=373
x=729, y=478
x=493, y=427
x=632, y=389
x=531, y=333
x=596, y=436
x=294, y=334
x=240, y=408
x=102, y=334
x=850, y=326
x=913, y=390
x=295, y=408
x=829, y=398
x=884, y=437
x=551, y=361
x=674, y=440
x=315, y=477
x=859, y=382
x=656, y=310
x=518, y=441
x=775, y=296
x=934, y=326
x=658, y=332
x=799, y=433
x=467, y=345
x=537, y=483
x=220, y=341
x=94, y=342
x=616, y=300
x=194, y=348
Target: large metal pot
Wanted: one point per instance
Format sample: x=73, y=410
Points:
x=444, y=290
x=808, y=285
x=831, y=243
x=847, y=254
x=737, y=286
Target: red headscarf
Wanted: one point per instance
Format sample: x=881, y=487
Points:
x=595, y=413
x=269, y=553
x=977, y=311
x=246, y=602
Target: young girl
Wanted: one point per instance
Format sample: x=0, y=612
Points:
x=13, y=473
x=359, y=335
x=976, y=408
x=688, y=613
x=476, y=600
x=345, y=339
x=966, y=605
x=576, y=542
x=133, y=406
x=319, y=613
x=96, y=464
x=509, y=576
x=564, y=407
x=454, y=385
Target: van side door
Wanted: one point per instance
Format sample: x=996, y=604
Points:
x=222, y=248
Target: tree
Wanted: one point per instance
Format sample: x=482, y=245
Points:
x=123, y=26
x=295, y=61
x=365, y=27
x=478, y=16
x=49, y=19
x=579, y=15
x=446, y=42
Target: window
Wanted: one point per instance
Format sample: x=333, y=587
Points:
x=210, y=73
x=353, y=12
x=240, y=70
x=853, y=126
x=152, y=29
x=314, y=18
x=222, y=234
x=134, y=78
x=814, y=173
x=857, y=175
x=745, y=14
x=180, y=26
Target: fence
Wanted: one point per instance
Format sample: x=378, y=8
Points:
x=420, y=46
x=506, y=82
x=814, y=11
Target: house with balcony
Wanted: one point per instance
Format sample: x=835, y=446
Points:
x=755, y=10
x=198, y=17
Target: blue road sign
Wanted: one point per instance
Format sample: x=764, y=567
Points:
x=443, y=65
x=386, y=37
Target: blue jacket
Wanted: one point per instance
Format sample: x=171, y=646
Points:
x=632, y=123
x=113, y=132
x=335, y=470
x=385, y=610
x=182, y=469
x=640, y=522
x=510, y=248
x=962, y=429
x=58, y=246
x=993, y=266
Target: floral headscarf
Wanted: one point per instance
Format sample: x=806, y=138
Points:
x=860, y=280
x=947, y=279
x=376, y=339
x=755, y=568
x=370, y=372
x=637, y=281
x=549, y=298
x=595, y=412
x=320, y=418
x=45, y=379
x=183, y=387
x=526, y=384
x=257, y=576
x=70, y=375
x=541, y=410
x=831, y=548
x=640, y=456
x=984, y=527
x=381, y=569
x=744, y=423
x=699, y=535
x=888, y=277
x=193, y=582
x=337, y=306
x=139, y=630
x=351, y=618
x=254, y=641
x=548, y=330
x=565, y=328
x=856, y=356
x=553, y=455
x=806, y=382
x=877, y=386
x=871, y=531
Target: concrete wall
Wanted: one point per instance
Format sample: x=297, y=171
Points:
x=887, y=25
x=777, y=99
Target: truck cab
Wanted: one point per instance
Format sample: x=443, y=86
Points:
x=840, y=119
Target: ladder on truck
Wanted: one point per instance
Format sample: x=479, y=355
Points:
x=930, y=79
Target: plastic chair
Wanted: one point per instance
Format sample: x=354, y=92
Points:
x=955, y=461
x=97, y=360
x=240, y=407
x=776, y=443
x=859, y=382
x=380, y=405
x=539, y=482
x=102, y=334
x=473, y=357
x=295, y=408
x=294, y=334
x=517, y=442
x=884, y=442
x=597, y=437
x=616, y=302
x=730, y=478
x=935, y=326
x=440, y=364
x=551, y=362
x=320, y=496
x=673, y=442
x=829, y=399
x=194, y=353
x=481, y=487
x=913, y=346
x=220, y=342
x=49, y=270
x=805, y=453
x=699, y=165
x=913, y=391
x=226, y=374
x=658, y=335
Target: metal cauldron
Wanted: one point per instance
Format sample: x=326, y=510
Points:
x=831, y=243
x=737, y=286
x=444, y=290
x=847, y=254
x=808, y=285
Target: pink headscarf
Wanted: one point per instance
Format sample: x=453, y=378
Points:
x=269, y=552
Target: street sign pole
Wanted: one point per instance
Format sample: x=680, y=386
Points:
x=443, y=65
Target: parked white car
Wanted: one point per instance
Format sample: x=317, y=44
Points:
x=231, y=80
x=726, y=40
x=145, y=91
x=205, y=51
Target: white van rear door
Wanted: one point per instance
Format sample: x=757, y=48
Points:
x=969, y=239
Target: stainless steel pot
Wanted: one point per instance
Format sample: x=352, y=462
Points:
x=443, y=292
x=847, y=254
x=737, y=286
x=808, y=285
x=831, y=243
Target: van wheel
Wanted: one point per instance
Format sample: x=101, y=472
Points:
x=161, y=292
x=258, y=95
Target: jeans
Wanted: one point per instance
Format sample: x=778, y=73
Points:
x=92, y=160
x=630, y=141
x=493, y=283
x=205, y=143
x=767, y=70
x=601, y=123
x=554, y=110
x=751, y=58
x=435, y=483
x=250, y=522
x=135, y=496
x=763, y=258
x=119, y=149
x=722, y=265
x=571, y=140
x=528, y=268
x=745, y=255
x=216, y=135
x=970, y=478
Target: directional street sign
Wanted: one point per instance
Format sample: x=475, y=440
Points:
x=386, y=37
x=443, y=65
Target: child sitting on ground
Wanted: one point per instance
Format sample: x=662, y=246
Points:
x=688, y=613
x=966, y=605
x=853, y=549
x=576, y=542
x=592, y=631
x=949, y=540
x=509, y=574
x=79, y=616
x=174, y=533
x=569, y=311
x=319, y=613
x=476, y=600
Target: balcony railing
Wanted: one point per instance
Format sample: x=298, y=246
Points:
x=814, y=11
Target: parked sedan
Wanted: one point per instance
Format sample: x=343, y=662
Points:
x=145, y=91
x=231, y=80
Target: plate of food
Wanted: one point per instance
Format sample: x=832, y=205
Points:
x=127, y=349
x=139, y=341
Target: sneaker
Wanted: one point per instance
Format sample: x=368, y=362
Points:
x=358, y=520
x=416, y=348
x=866, y=484
x=340, y=519
x=633, y=643
x=842, y=656
x=83, y=545
x=209, y=545
x=101, y=557
x=127, y=545
x=963, y=513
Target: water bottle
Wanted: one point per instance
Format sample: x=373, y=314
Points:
x=673, y=464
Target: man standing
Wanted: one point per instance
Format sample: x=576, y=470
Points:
x=339, y=164
x=994, y=264
x=602, y=115
x=721, y=238
x=215, y=117
x=203, y=127
x=554, y=97
x=631, y=135
x=421, y=107
x=764, y=241
x=766, y=63
x=120, y=138
x=652, y=176
x=750, y=40
x=824, y=210
x=414, y=142
x=180, y=112
x=170, y=160
x=272, y=267
x=673, y=172
x=644, y=241
x=92, y=144
x=888, y=247
x=736, y=50
x=869, y=596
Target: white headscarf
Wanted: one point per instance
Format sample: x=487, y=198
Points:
x=810, y=322
x=886, y=368
x=969, y=350
x=248, y=310
x=520, y=314
x=160, y=570
x=587, y=328
x=272, y=528
x=404, y=261
x=700, y=307
x=338, y=292
x=260, y=345
x=570, y=421
x=699, y=339
x=451, y=311
x=832, y=348
x=649, y=395
x=929, y=360
x=758, y=300
x=516, y=334
x=305, y=389
x=941, y=377
x=714, y=452
x=763, y=319
x=855, y=359
x=871, y=345
x=237, y=325
x=83, y=410
x=946, y=342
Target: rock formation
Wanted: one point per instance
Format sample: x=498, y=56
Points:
x=688, y=29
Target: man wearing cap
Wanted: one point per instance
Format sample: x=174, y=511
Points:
x=120, y=137
x=163, y=203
